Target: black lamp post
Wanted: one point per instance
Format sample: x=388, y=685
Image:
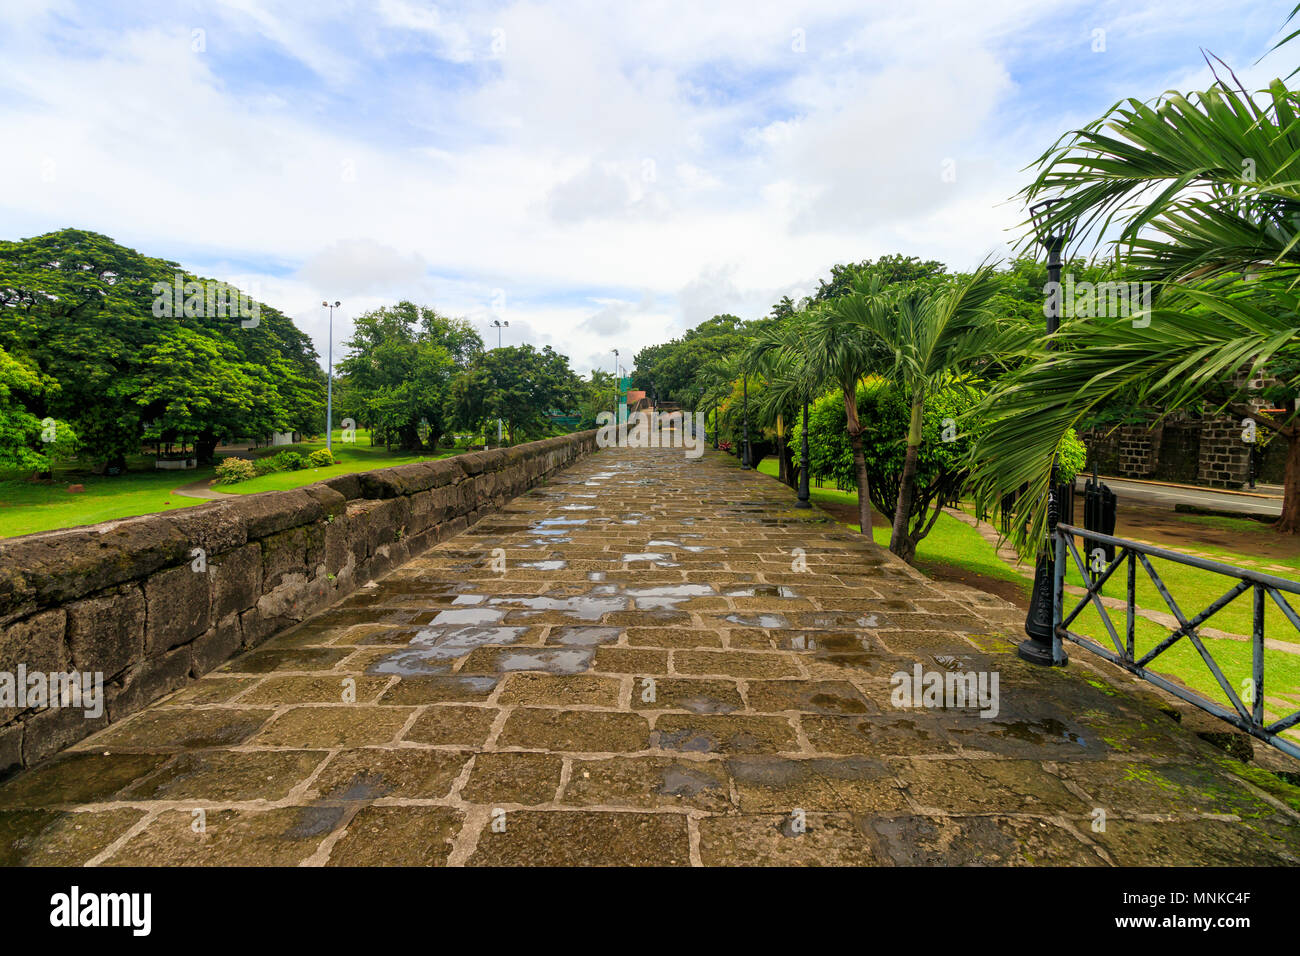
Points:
x=715, y=426
x=1038, y=622
x=803, y=501
x=744, y=424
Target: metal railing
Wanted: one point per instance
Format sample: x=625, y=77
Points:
x=1246, y=715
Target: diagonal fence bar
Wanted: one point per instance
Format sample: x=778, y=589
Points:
x=1247, y=715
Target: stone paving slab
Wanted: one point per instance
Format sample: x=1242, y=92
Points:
x=651, y=660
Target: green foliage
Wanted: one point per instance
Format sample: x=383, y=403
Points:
x=79, y=311
x=1193, y=193
x=888, y=269
x=289, y=461
x=952, y=425
x=396, y=378
x=321, y=458
x=597, y=395
x=943, y=459
x=677, y=370
x=518, y=385
x=232, y=470
x=26, y=441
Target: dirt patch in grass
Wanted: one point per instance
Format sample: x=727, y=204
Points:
x=1009, y=591
x=1163, y=526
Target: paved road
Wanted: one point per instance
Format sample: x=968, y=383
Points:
x=672, y=667
x=1148, y=493
x=201, y=489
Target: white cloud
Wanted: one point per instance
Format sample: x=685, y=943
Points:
x=567, y=161
x=352, y=266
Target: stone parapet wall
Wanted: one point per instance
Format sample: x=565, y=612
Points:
x=156, y=601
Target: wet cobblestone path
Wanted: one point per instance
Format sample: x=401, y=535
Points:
x=649, y=660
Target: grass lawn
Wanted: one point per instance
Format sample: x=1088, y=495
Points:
x=949, y=543
x=1194, y=590
x=954, y=545
x=349, y=457
x=27, y=507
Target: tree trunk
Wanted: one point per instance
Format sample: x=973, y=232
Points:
x=791, y=471
x=205, y=448
x=864, y=493
x=899, y=542
x=408, y=438
x=781, y=473
x=1289, y=523
x=849, y=393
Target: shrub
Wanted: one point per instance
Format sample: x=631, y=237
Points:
x=290, y=461
x=231, y=470
x=321, y=458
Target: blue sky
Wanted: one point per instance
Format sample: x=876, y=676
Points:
x=599, y=175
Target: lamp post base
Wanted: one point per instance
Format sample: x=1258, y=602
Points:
x=1035, y=652
x=803, y=504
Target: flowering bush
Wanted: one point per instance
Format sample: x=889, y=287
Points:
x=321, y=458
x=231, y=470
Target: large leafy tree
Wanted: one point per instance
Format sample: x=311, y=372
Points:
x=677, y=370
x=79, y=309
x=396, y=378
x=519, y=385
x=889, y=269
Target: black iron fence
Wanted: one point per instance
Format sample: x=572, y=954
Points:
x=1247, y=708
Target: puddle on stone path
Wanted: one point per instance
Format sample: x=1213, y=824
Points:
x=763, y=591
x=545, y=565
x=578, y=636
x=685, y=781
x=667, y=596
x=554, y=521
x=475, y=615
x=645, y=556
x=432, y=649
x=582, y=607
x=757, y=620
x=554, y=661
x=410, y=663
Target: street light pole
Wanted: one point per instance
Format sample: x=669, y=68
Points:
x=1039, y=622
x=499, y=325
x=329, y=382
x=615, y=389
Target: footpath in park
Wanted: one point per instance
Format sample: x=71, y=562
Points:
x=652, y=660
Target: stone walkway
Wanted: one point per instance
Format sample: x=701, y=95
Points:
x=650, y=660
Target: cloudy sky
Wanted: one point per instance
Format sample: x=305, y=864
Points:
x=600, y=175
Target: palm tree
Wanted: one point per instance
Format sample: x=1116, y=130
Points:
x=719, y=377
x=936, y=334
x=1200, y=195
x=841, y=353
x=780, y=352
